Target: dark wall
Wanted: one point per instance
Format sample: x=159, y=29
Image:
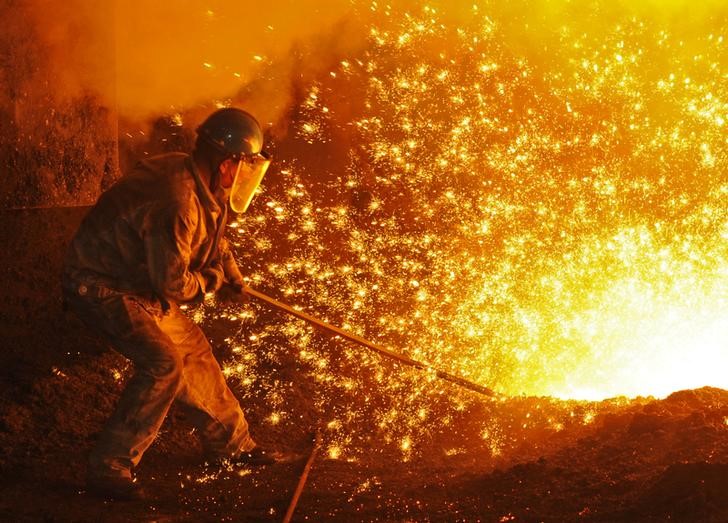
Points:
x=58, y=141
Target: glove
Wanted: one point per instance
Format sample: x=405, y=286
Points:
x=214, y=278
x=234, y=292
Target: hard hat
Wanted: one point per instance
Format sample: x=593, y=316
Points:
x=233, y=131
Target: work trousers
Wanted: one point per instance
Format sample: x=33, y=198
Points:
x=172, y=361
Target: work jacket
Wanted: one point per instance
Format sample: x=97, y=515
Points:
x=155, y=231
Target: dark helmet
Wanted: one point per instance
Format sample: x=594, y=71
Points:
x=232, y=131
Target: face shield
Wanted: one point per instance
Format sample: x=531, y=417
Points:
x=251, y=169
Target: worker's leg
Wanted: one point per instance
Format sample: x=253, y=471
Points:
x=132, y=327
x=203, y=393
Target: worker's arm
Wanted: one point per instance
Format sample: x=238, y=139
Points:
x=234, y=291
x=233, y=276
x=167, y=241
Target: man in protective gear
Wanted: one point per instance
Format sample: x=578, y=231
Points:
x=153, y=241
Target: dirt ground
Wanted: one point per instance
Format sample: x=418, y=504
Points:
x=610, y=461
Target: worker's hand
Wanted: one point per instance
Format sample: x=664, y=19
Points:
x=233, y=292
x=214, y=278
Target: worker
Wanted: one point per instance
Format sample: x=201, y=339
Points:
x=153, y=241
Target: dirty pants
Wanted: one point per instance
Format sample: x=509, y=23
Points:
x=172, y=361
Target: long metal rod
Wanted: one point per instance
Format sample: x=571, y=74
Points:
x=366, y=343
x=302, y=480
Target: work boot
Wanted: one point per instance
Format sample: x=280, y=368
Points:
x=114, y=488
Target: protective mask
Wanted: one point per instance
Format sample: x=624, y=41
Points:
x=251, y=170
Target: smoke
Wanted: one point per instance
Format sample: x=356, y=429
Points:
x=52, y=53
x=149, y=58
x=146, y=59
x=193, y=52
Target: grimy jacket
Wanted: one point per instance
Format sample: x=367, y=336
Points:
x=154, y=232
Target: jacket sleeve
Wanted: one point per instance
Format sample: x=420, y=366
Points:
x=229, y=265
x=167, y=242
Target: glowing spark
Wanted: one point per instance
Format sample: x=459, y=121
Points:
x=550, y=221
x=406, y=444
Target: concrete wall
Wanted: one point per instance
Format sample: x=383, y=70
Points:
x=58, y=140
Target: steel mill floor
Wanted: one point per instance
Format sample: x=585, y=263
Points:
x=517, y=459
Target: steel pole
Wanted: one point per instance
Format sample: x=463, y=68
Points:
x=462, y=382
x=302, y=480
